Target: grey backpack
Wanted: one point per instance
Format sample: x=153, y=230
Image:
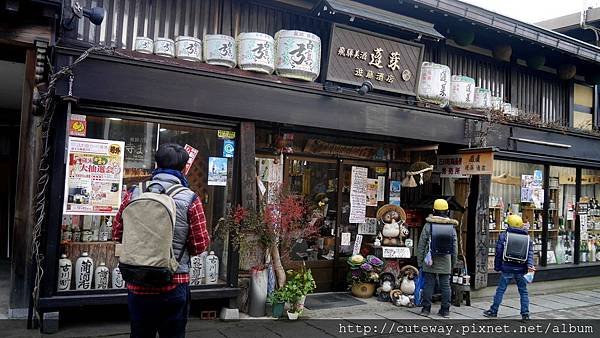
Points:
x=147, y=256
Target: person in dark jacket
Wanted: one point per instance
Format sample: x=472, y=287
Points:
x=511, y=270
x=441, y=264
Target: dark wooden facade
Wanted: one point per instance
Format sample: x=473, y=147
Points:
x=130, y=83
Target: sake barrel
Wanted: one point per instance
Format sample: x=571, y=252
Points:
x=434, y=83
x=507, y=109
x=164, y=47
x=462, y=91
x=220, y=50
x=297, y=55
x=496, y=103
x=256, y=52
x=483, y=99
x=143, y=45
x=188, y=48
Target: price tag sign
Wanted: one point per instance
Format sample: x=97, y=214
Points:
x=357, y=245
x=396, y=252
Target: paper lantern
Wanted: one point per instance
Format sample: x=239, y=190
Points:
x=566, y=71
x=463, y=37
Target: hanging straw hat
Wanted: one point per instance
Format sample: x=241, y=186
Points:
x=391, y=207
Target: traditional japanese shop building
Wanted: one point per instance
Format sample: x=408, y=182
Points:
x=361, y=111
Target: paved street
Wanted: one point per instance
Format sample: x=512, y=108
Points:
x=568, y=305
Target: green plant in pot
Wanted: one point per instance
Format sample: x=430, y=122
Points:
x=299, y=284
x=277, y=300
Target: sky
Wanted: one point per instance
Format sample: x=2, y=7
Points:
x=533, y=11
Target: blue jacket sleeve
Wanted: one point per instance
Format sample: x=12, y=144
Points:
x=530, y=255
x=499, y=252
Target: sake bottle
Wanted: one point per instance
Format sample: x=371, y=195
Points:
x=196, y=270
x=102, y=276
x=65, y=270
x=117, y=279
x=84, y=269
x=211, y=268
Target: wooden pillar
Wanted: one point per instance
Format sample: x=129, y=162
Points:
x=481, y=231
x=27, y=169
x=247, y=164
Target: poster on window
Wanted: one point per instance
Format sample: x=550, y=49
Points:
x=217, y=171
x=372, y=189
x=395, y=190
x=94, y=175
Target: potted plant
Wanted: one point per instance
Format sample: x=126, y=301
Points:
x=364, y=274
x=298, y=285
x=277, y=300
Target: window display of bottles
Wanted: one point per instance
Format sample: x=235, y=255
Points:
x=85, y=228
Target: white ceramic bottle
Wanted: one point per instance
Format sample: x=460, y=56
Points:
x=65, y=270
x=102, y=276
x=117, y=279
x=84, y=269
x=211, y=268
x=196, y=269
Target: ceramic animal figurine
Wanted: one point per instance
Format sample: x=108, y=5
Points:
x=392, y=217
x=407, y=277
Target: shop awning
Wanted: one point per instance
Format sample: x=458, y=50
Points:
x=369, y=13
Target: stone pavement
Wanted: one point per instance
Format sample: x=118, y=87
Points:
x=583, y=304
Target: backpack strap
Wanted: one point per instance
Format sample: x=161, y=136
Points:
x=175, y=189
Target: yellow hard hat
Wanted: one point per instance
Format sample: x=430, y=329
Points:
x=514, y=221
x=440, y=205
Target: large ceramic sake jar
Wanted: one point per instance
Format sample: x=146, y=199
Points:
x=483, y=99
x=143, y=45
x=84, y=272
x=256, y=52
x=65, y=270
x=434, y=83
x=462, y=91
x=211, y=268
x=102, y=276
x=220, y=50
x=197, y=268
x=164, y=47
x=297, y=55
x=188, y=48
x=117, y=279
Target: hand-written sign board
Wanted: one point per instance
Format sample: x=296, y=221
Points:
x=356, y=56
x=396, y=252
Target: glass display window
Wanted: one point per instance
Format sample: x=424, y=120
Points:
x=589, y=222
x=517, y=188
x=561, y=215
x=106, y=157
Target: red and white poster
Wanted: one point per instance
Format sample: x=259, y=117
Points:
x=94, y=176
x=193, y=152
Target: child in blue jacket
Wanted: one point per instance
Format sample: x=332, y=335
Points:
x=511, y=270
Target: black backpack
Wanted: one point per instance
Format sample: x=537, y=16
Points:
x=442, y=239
x=516, y=248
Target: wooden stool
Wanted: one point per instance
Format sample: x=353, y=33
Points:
x=460, y=292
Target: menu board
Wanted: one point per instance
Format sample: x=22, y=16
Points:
x=94, y=175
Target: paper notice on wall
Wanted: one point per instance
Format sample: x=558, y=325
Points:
x=396, y=252
x=193, y=152
x=358, y=195
x=217, y=171
x=94, y=176
x=380, y=188
x=372, y=189
x=357, y=245
x=369, y=227
x=346, y=236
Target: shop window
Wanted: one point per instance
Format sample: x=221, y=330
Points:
x=96, y=182
x=583, y=107
x=561, y=215
x=590, y=223
x=517, y=188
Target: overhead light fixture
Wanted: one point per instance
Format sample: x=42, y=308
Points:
x=115, y=119
x=162, y=129
x=95, y=15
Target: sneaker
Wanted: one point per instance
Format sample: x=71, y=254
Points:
x=490, y=314
x=525, y=318
x=425, y=312
x=444, y=313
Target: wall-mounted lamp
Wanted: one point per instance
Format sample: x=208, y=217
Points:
x=366, y=87
x=95, y=15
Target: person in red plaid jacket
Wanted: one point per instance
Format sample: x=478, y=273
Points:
x=165, y=309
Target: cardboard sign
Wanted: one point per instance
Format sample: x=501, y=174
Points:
x=192, y=152
x=357, y=245
x=396, y=252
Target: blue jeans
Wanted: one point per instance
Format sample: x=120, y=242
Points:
x=444, y=280
x=164, y=313
x=505, y=279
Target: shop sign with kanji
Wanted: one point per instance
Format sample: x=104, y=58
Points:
x=451, y=166
x=356, y=56
x=478, y=163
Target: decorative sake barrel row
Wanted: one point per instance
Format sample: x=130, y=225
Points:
x=483, y=99
x=462, y=91
x=434, y=83
x=292, y=54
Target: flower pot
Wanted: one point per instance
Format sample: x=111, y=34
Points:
x=363, y=290
x=293, y=315
x=277, y=310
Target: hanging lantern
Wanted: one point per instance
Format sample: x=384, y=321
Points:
x=566, y=71
x=463, y=36
x=502, y=52
x=536, y=61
